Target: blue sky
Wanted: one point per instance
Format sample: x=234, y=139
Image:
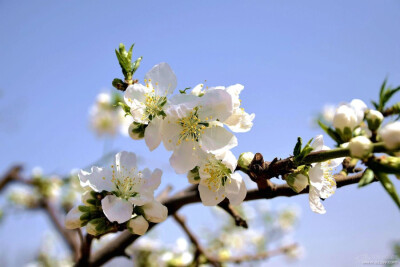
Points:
x=292, y=57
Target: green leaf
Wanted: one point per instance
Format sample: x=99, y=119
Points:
x=367, y=178
x=184, y=90
x=297, y=148
x=389, y=187
x=332, y=133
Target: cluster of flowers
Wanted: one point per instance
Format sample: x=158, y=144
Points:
x=351, y=132
x=192, y=126
x=122, y=194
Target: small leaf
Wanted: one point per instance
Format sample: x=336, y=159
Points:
x=332, y=133
x=297, y=148
x=367, y=178
x=389, y=187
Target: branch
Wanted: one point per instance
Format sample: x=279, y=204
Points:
x=239, y=221
x=174, y=203
x=11, y=175
x=199, y=249
x=260, y=256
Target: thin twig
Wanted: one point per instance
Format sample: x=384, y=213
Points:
x=199, y=249
x=239, y=221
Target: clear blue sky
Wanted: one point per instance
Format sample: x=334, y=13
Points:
x=291, y=56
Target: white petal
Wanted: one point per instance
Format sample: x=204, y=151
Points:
x=217, y=139
x=152, y=133
x=315, y=201
x=318, y=143
x=116, y=209
x=234, y=91
x=237, y=198
x=240, y=121
x=228, y=159
x=316, y=175
x=189, y=100
x=165, y=78
x=170, y=132
x=155, y=212
x=185, y=157
x=138, y=110
x=138, y=225
x=216, y=104
x=197, y=90
x=209, y=197
x=143, y=197
x=153, y=181
x=137, y=92
x=72, y=220
x=99, y=179
x=232, y=185
x=124, y=159
x=328, y=187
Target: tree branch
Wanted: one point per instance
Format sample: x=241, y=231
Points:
x=174, y=203
x=239, y=221
x=199, y=249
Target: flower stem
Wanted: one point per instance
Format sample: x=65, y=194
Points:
x=324, y=155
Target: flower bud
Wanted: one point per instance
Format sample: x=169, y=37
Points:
x=374, y=119
x=136, y=131
x=245, y=159
x=73, y=218
x=155, y=212
x=138, y=225
x=390, y=135
x=96, y=226
x=297, y=181
x=360, y=107
x=360, y=147
x=88, y=199
x=345, y=117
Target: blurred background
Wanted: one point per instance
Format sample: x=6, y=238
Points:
x=293, y=57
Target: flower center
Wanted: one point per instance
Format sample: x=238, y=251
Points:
x=126, y=181
x=219, y=175
x=154, y=105
x=192, y=127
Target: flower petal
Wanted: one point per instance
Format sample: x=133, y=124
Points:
x=315, y=201
x=318, y=143
x=184, y=157
x=228, y=159
x=316, y=175
x=99, y=179
x=125, y=161
x=152, y=133
x=162, y=78
x=216, y=104
x=116, y=209
x=217, y=139
x=143, y=197
x=153, y=180
x=237, y=198
x=137, y=92
x=210, y=197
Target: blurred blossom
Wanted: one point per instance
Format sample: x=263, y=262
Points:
x=23, y=197
x=328, y=112
x=107, y=118
x=295, y=253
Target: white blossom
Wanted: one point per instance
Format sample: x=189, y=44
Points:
x=155, y=212
x=147, y=102
x=322, y=183
x=128, y=186
x=138, y=225
x=360, y=147
x=390, y=135
x=192, y=126
x=218, y=180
